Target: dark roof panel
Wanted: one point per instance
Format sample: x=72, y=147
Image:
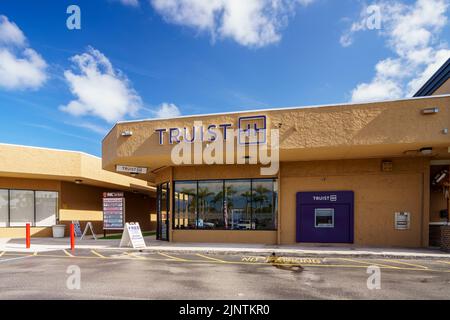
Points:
x=435, y=81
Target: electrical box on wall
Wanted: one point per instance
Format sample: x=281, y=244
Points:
x=402, y=220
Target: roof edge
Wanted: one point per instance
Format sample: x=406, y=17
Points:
x=436, y=81
x=280, y=109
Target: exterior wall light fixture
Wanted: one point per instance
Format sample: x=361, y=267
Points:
x=426, y=151
x=127, y=133
x=429, y=111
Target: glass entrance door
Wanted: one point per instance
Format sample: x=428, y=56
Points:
x=163, y=211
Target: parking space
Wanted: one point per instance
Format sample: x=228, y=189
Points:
x=422, y=265
x=131, y=274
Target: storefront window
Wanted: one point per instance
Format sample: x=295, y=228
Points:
x=185, y=205
x=238, y=205
x=210, y=205
x=22, y=207
x=46, y=208
x=3, y=208
x=264, y=204
x=249, y=204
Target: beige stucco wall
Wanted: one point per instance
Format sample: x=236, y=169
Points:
x=444, y=89
x=378, y=195
x=51, y=164
x=84, y=203
x=384, y=129
x=220, y=236
x=80, y=202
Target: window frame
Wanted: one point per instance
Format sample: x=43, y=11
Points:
x=251, y=180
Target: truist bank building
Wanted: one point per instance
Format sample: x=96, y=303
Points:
x=373, y=174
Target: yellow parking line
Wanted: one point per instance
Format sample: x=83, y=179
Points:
x=174, y=258
x=2, y=253
x=370, y=263
x=68, y=253
x=213, y=259
x=98, y=254
x=131, y=254
x=446, y=262
x=405, y=263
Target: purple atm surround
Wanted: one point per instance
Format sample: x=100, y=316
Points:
x=343, y=204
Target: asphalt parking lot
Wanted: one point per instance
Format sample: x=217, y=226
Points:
x=112, y=274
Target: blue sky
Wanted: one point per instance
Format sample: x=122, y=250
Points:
x=137, y=59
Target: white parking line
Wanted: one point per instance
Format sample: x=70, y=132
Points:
x=12, y=259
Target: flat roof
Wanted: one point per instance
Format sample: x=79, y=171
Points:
x=19, y=161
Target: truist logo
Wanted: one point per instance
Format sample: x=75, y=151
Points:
x=331, y=198
x=251, y=130
x=250, y=143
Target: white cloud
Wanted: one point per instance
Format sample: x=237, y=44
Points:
x=252, y=23
x=20, y=66
x=412, y=33
x=100, y=89
x=167, y=110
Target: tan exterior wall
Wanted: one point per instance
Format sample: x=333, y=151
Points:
x=221, y=236
x=444, y=89
x=30, y=184
x=80, y=202
x=84, y=203
x=378, y=195
x=372, y=130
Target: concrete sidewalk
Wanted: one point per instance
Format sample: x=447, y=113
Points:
x=51, y=244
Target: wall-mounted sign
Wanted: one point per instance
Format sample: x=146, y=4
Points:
x=247, y=127
x=402, y=220
x=113, y=194
x=128, y=169
x=113, y=211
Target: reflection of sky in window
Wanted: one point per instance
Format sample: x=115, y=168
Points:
x=211, y=191
x=237, y=196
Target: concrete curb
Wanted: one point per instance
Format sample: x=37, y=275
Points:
x=294, y=253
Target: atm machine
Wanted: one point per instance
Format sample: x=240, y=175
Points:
x=325, y=217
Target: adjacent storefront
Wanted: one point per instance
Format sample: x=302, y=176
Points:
x=45, y=187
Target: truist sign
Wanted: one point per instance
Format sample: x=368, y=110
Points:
x=223, y=143
x=251, y=130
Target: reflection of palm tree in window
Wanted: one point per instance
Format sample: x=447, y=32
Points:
x=203, y=195
x=260, y=196
x=248, y=196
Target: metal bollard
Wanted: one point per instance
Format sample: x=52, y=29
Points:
x=72, y=236
x=28, y=236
